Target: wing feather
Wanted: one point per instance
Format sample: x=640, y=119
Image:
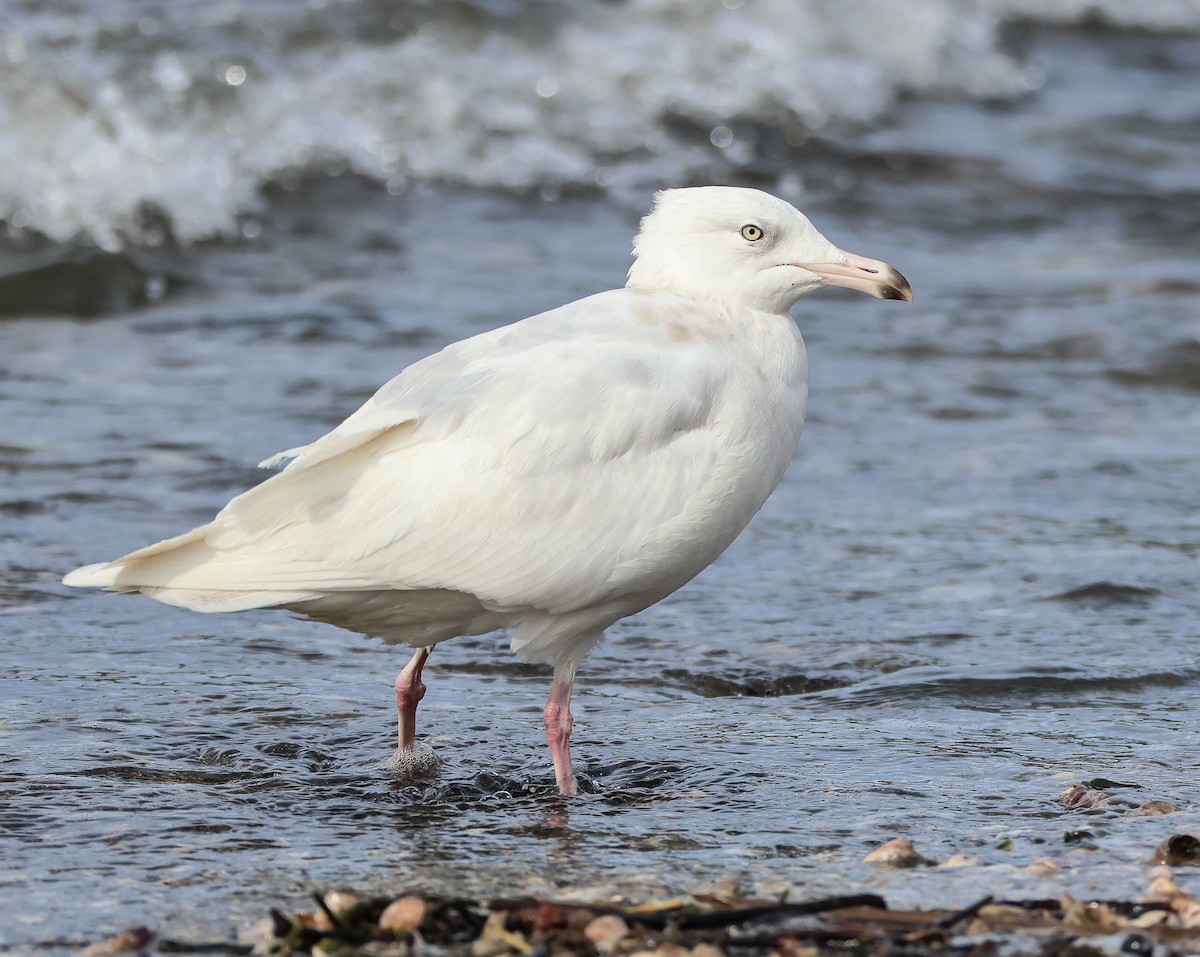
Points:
x=522, y=466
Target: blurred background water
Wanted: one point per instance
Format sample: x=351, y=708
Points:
x=227, y=222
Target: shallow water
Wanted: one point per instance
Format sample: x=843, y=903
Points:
x=976, y=585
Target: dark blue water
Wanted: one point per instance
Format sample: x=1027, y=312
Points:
x=976, y=586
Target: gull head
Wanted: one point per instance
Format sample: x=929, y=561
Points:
x=744, y=247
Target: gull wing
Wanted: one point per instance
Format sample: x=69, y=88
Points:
x=522, y=466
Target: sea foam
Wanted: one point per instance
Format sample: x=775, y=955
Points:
x=125, y=121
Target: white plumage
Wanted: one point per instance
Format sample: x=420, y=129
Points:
x=551, y=476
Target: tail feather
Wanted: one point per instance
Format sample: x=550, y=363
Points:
x=99, y=575
x=198, y=599
x=188, y=572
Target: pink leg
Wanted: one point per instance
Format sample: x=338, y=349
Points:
x=410, y=689
x=557, y=717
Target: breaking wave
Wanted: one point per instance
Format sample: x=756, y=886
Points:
x=128, y=120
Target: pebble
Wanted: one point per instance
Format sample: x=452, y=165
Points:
x=403, y=915
x=495, y=939
x=131, y=940
x=723, y=890
x=1091, y=916
x=666, y=949
x=1177, y=849
x=1151, y=808
x=338, y=903
x=1080, y=795
x=605, y=931
x=1163, y=886
x=898, y=852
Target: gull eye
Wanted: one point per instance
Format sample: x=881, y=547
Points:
x=751, y=232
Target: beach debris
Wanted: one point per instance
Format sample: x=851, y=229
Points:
x=1184, y=908
x=1165, y=924
x=495, y=938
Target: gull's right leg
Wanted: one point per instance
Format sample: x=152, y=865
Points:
x=410, y=689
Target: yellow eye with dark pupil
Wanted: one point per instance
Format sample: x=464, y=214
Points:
x=751, y=232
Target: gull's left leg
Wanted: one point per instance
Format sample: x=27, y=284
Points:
x=410, y=689
x=558, y=720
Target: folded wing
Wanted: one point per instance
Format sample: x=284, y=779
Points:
x=520, y=467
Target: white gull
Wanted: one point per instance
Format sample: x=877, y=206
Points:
x=550, y=477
